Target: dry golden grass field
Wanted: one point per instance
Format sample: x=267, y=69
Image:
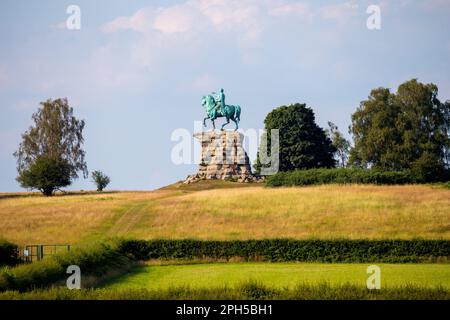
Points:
x=221, y=210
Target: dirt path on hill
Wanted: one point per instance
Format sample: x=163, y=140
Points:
x=132, y=215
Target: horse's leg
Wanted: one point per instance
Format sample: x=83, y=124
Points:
x=204, y=121
x=228, y=121
x=236, y=122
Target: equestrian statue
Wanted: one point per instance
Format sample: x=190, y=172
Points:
x=215, y=107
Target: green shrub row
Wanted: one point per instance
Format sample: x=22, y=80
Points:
x=346, y=176
x=9, y=253
x=394, y=251
x=94, y=260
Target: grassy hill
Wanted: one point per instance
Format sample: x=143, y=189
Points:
x=225, y=210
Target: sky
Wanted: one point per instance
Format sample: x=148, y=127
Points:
x=135, y=71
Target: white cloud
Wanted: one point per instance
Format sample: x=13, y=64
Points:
x=141, y=21
x=184, y=33
x=167, y=20
x=239, y=23
x=298, y=9
x=243, y=17
x=341, y=13
x=246, y=19
x=176, y=19
x=225, y=15
x=186, y=39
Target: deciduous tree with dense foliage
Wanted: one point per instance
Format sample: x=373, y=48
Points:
x=100, y=179
x=404, y=130
x=50, y=155
x=303, y=144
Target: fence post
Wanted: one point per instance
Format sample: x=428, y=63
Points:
x=40, y=252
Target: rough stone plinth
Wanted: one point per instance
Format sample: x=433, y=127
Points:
x=223, y=157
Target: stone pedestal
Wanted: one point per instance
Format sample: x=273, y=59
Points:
x=222, y=157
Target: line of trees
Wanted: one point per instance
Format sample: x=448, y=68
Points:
x=406, y=130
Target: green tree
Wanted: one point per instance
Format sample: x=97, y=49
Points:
x=52, y=147
x=427, y=168
x=303, y=144
x=100, y=179
x=392, y=131
x=341, y=144
x=46, y=175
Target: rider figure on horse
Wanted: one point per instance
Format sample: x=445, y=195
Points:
x=220, y=102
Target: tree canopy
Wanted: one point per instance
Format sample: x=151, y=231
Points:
x=51, y=149
x=303, y=144
x=403, y=130
x=100, y=179
x=45, y=174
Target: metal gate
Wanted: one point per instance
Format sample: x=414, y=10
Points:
x=36, y=252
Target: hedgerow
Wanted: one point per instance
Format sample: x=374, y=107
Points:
x=393, y=251
x=9, y=254
x=347, y=176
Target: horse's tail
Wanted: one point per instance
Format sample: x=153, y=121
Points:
x=238, y=113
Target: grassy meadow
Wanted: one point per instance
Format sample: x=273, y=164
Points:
x=299, y=281
x=218, y=210
x=221, y=211
x=278, y=275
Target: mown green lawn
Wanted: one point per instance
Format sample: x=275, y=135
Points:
x=278, y=275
